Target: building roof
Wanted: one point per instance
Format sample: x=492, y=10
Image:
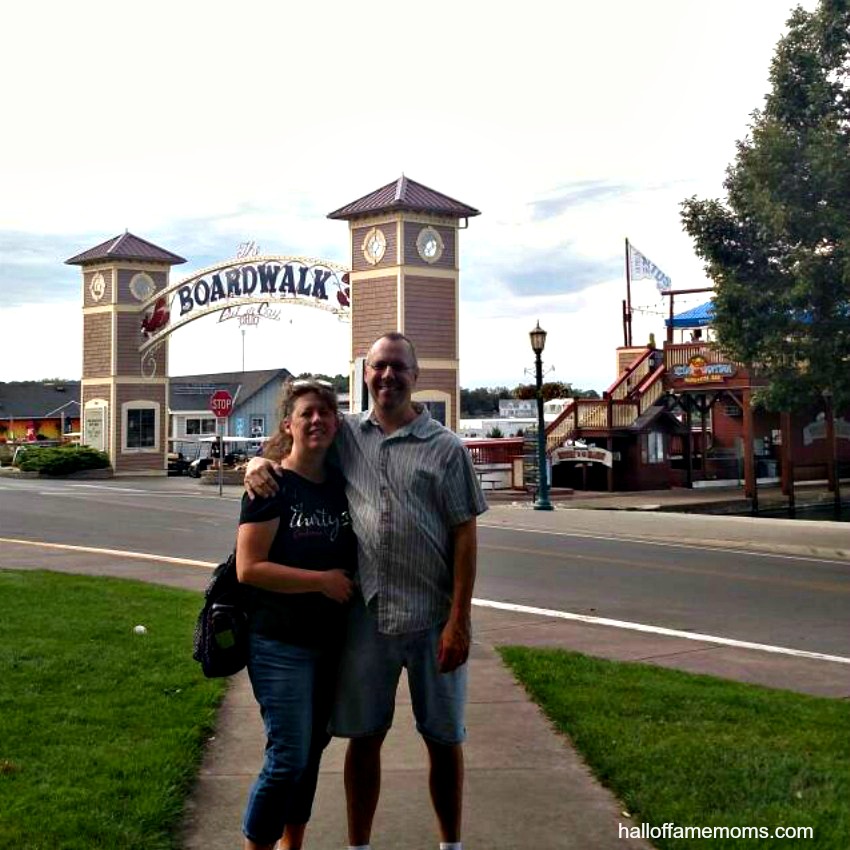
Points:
x=192, y=392
x=126, y=247
x=39, y=399
x=655, y=419
x=405, y=194
x=696, y=317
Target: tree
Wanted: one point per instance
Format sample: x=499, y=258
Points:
x=482, y=401
x=550, y=390
x=778, y=247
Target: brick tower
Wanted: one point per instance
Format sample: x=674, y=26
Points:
x=124, y=404
x=404, y=277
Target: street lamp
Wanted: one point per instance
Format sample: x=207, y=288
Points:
x=538, y=342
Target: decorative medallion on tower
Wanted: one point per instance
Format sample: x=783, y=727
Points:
x=142, y=287
x=429, y=244
x=374, y=246
x=97, y=287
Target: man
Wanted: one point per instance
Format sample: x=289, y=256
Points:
x=414, y=498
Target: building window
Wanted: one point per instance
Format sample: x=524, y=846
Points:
x=197, y=425
x=258, y=426
x=437, y=409
x=652, y=447
x=140, y=426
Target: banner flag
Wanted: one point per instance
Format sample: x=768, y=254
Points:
x=641, y=267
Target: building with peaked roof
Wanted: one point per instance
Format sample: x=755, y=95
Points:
x=39, y=410
x=405, y=195
x=255, y=400
x=125, y=246
x=47, y=410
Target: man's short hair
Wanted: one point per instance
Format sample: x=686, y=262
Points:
x=397, y=336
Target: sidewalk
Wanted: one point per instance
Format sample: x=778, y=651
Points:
x=525, y=784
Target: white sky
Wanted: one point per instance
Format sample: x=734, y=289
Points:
x=570, y=125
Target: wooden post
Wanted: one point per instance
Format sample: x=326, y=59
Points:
x=787, y=459
x=830, y=442
x=832, y=450
x=689, y=439
x=703, y=438
x=670, y=326
x=628, y=296
x=750, y=486
x=610, y=445
x=625, y=325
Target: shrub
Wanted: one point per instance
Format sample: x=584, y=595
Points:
x=62, y=460
x=495, y=432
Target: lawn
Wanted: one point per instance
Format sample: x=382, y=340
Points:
x=698, y=751
x=101, y=729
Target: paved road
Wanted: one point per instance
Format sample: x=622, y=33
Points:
x=681, y=572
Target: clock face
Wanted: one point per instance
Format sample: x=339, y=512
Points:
x=374, y=246
x=430, y=244
x=97, y=287
x=142, y=287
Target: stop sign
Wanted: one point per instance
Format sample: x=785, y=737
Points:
x=221, y=403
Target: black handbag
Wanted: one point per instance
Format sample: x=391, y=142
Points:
x=221, y=632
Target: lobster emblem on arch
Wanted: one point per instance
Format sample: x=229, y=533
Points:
x=157, y=318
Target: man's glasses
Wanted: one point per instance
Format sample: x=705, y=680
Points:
x=396, y=365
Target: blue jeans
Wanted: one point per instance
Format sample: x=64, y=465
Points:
x=294, y=687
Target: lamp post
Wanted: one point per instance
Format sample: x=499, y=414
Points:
x=538, y=341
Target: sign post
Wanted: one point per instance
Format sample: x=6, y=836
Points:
x=221, y=404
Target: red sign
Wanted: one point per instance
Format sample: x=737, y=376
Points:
x=221, y=403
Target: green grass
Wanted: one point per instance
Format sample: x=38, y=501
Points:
x=699, y=751
x=101, y=729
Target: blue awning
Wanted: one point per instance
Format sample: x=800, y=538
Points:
x=696, y=317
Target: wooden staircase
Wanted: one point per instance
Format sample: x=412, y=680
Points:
x=632, y=394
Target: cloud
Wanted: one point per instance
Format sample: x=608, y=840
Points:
x=550, y=272
x=578, y=193
x=33, y=270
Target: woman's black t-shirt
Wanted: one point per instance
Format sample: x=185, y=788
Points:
x=314, y=534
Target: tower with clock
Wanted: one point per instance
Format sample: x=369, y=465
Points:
x=405, y=277
x=124, y=403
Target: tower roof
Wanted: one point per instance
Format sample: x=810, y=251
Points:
x=405, y=194
x=126, y=247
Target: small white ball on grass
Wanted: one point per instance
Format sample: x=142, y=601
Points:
x=140, y=630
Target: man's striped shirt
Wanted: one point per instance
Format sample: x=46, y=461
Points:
x=406, y=492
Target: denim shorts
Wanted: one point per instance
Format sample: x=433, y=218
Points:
x=368, y=678
x=294, y=687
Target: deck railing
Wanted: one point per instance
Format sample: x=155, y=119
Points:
x=634, y=392
x=678, y=354
x=631, y=378
x=501, y=450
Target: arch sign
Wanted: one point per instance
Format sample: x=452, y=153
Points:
x=259, y=280
x=567, y=454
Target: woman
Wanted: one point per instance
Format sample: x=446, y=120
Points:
x=297, y=552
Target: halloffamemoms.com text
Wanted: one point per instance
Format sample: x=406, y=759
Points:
x=671, y=830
